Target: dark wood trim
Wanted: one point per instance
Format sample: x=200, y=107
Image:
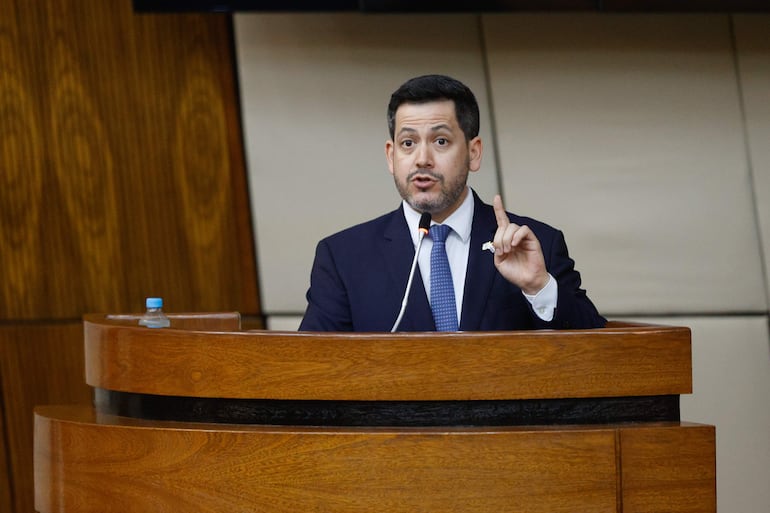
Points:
x=604, y=410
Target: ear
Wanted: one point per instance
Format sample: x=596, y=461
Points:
x=389, y=147
x=475, y=149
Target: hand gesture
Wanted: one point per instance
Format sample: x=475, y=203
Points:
x=518, y=255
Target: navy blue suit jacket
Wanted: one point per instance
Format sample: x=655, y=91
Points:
x=359, y=277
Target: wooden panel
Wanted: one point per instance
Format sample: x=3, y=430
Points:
x=611, y=362
x=122, y=163
x=105, y=464
x=668, y=470
x=38, y=365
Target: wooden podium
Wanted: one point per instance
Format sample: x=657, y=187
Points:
x=203, y=417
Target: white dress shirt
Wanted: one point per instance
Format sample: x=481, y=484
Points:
x=458, y=247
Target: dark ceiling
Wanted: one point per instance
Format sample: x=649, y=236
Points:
x=427, y=6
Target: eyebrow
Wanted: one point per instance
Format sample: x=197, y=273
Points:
x=442, y=126
x=437, y=128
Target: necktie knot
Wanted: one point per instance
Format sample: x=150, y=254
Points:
x=439, y=232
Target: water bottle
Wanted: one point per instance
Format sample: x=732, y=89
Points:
x=154, y=316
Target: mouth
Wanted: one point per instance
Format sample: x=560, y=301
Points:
x=423, y=180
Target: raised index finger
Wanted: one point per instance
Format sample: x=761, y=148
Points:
x=500, y=215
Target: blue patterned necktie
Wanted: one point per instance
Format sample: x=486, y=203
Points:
x=442, y=291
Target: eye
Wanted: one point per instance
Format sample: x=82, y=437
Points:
x=407, y=143
x=442, y=141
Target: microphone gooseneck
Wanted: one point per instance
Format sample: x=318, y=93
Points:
x=423, y=228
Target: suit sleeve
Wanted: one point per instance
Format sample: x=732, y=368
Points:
x=328, y=306
x=574, y=310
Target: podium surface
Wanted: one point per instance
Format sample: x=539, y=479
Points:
x=226, y=420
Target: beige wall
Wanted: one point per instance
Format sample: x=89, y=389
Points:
x=643, y=137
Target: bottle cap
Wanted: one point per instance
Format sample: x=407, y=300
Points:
x=154, y=302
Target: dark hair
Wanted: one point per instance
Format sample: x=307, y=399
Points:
x=429, y=88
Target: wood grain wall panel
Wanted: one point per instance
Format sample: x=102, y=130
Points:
x=39, y=364
x=121, y=176
x=126, y=179
x=21, y=169
x=196, y=159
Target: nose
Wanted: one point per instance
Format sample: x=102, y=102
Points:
x=424, y=157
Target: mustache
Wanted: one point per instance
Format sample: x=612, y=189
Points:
x=425, y=172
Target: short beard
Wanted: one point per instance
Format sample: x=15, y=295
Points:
x=450, y=192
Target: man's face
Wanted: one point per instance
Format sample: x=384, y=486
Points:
x=430, y=159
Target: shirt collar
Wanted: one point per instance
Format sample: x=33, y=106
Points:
x=460, y=220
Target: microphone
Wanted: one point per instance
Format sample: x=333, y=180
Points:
x=423, y=231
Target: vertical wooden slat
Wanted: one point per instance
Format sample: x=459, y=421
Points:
x=21, y=170
x=244, y=229
x=84, y=157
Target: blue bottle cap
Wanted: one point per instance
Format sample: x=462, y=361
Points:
x=154, y=302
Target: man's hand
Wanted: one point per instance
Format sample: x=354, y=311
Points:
x=518, y=255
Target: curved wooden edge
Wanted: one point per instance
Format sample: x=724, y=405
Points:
x=628, y=360
x=86, y=462
x=200, y=321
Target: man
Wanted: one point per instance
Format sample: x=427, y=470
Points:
x=360, y=275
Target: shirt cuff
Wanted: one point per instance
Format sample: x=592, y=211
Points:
x=544, y=302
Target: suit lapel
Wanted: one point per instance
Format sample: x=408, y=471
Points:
x=481, y=267
x=397, y=249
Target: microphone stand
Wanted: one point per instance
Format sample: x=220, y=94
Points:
x=423, y=230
